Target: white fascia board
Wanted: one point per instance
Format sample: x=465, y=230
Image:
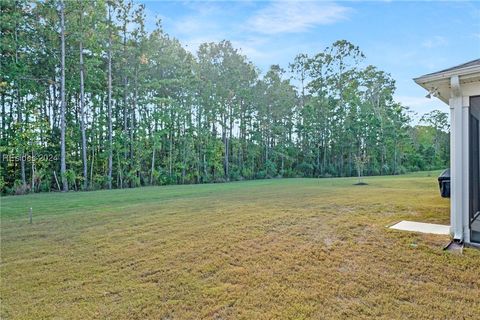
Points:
x=441, y=81
x=463, y=73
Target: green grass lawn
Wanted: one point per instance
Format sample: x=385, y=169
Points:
x=270, y=249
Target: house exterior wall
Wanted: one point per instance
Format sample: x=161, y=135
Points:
x=455, y=86
x=460, y=138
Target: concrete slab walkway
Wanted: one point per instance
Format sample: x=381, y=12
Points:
x=422, y=227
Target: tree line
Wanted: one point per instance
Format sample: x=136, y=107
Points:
x=90, y=100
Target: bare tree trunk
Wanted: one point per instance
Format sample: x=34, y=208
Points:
x=63, y=165
x=227, y=160
x=226, y=147
x=19, y=114
x=4, y=134
x=120, y=174
x=22, y=157
x=56, y=180
x=110, y=142
x=32, y=188
x=82, y=116
x=125, y=93
x=92, y=161
x=229, y=147
x=4, y=118
x=153, y=164
x=170, y=153
x=132, y=127
x=184, y=160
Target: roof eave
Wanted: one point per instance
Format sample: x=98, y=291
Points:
x=429, y=81
x=463, y=72
x=425, y=85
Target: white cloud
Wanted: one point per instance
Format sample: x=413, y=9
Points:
x=290, y=17
x=192, y=25
x=217, y=21
x=436, y=41
x=251, y=47
x=193, y=30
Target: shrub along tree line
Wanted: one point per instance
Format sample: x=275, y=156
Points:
x=91, y=100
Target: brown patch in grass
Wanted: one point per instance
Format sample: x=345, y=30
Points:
x=280, y=249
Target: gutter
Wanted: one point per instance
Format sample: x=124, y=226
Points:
x=447, y=75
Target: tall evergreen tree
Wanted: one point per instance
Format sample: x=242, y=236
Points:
x=87, y=89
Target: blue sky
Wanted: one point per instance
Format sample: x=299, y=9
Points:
x=406, y=39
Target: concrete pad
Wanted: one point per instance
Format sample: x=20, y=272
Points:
x=422, y=227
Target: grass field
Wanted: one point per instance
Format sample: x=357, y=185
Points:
x=271, y=249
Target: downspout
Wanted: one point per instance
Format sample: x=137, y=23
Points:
x=459, y=159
